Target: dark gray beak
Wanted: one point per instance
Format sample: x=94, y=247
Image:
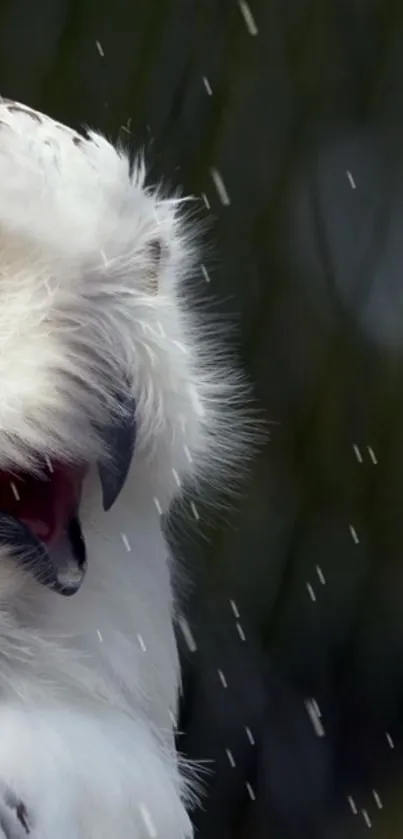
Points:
x=61, y=568
x=120, y=440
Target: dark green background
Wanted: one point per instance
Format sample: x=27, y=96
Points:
x=305, y=124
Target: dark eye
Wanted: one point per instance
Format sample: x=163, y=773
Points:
x=155, y=250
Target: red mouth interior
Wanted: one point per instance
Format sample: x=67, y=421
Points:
x=45, y=504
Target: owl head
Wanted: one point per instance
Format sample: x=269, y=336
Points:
x=101, y=360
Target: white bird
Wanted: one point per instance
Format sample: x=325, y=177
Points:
x=100, y=409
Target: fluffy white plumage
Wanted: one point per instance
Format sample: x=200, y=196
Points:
x=91, y=265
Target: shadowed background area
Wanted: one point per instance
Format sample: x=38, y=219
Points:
x=285, y=118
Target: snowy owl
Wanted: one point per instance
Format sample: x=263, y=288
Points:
x=113, y=399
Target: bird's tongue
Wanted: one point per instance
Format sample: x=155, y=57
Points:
x=45, y=505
